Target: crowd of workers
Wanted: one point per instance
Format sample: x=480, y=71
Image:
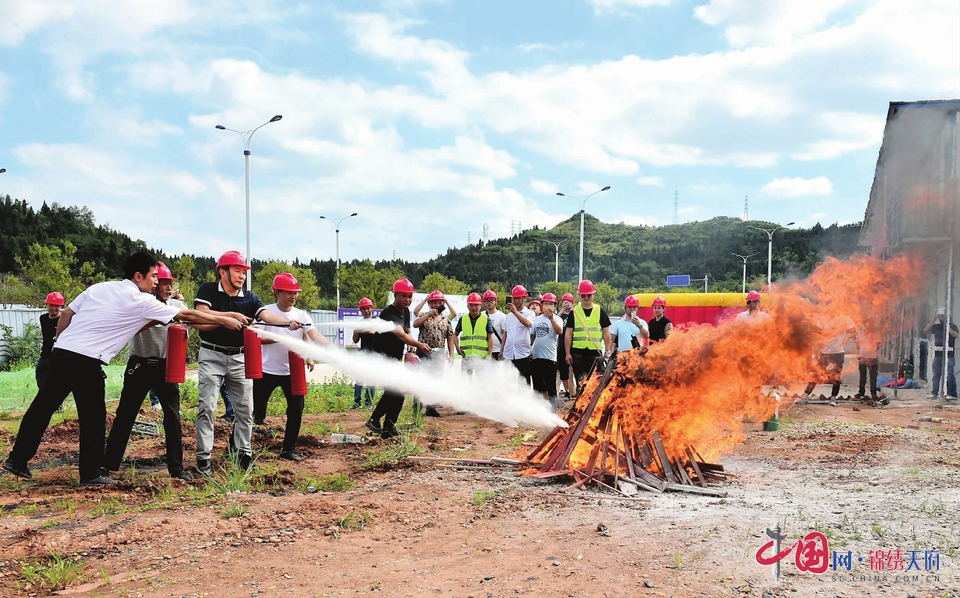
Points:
x=542, y=337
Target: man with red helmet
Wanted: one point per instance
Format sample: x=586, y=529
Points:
x=221, y=358
x=365, y=341
x=566, y=308
x=48, y=330
x=90, y=332
x=516, y=333
x=630, y=331
x=498, y=320
x=436, y=332
x=547, y=328
x=660, y=326
x=753, y=312
x=391, y=345
x=474, y=334
x=146, y=372
x=587, y=333
x=276, y=362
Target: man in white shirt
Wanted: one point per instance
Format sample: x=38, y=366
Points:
x=92, y=329
x=753, y=312
x=276, y=362
x=497, y=319
x=516, y=333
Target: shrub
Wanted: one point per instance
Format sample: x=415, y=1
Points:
x=20, y=352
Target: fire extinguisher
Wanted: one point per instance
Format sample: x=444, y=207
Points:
x=176, y=369
x=252, y=355
x=298, y=375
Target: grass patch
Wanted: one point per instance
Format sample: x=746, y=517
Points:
x=355, y=521
x=53, y=573
x=18, y=389
x=233, y=511
x=334, y=395
x=232, y=478
x=335, y=482
x=24, y=510
x=318, y=429
x=406, y=446
x=110, y=506
x=481, y=497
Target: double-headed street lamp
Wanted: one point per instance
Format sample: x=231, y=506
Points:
x=583, y=203
x=337, y=276
x=247, y=136
x=745, y=258
x=556, y=267
x=769, y=232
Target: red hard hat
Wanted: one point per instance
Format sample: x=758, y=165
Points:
x=474, y=298
x=436, y=296
x=164, y=273
x=518, y=291
x=286, y=282
x=535, y=301
x=232, y=258
x=55, y=298
x=489, y=294
x=753, y=296
x=549, y=298
x=631, y=301
x=568, y=297
x=365, y=302
x=659, y=302
x=403, y=286
x=586, y=288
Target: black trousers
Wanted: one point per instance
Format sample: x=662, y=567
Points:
x=869, y=367
x=523, y=366
x=140, y=377
x=84, y=377
x=544, y=373
x=262, y=389
x=832, y=363
x=42, y=372
x=582, y=362
x=388, y=407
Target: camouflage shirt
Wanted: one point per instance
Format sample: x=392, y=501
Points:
x=434, y=332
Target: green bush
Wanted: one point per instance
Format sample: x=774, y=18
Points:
x=20, y=352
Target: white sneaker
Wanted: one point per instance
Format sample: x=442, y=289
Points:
x=156, y=406
x=932, y=395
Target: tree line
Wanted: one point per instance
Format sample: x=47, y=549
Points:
x=58, y=248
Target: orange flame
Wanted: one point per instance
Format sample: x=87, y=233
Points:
x=696, y=388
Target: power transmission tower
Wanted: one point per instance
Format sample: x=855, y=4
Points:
x=746, y=210
x=676, y=208
x=468, y=237
x=486, y=233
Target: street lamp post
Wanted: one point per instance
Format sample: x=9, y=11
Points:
x=745, y=258
x=583, y=203
x=247, y=136
x=769, y=232
x=337, y=275
x=556, y=266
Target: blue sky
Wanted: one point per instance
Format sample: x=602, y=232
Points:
x=431, y=118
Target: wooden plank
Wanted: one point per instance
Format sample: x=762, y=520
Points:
x=705, y=467
x=550, y=474
x=606, y=422
x=696, y=490
x=454, y=459
x=696, y=468
x=643, y=485
x=617, y=445
x=681, y=472
x=664, y=460
x=646, y=456
x=599, y=496
x=587, y=414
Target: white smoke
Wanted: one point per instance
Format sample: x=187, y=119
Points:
x=492, y=392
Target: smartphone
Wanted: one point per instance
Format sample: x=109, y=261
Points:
x=509, y=300
x=440, y=308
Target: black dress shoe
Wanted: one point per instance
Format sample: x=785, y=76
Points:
x=20, y=472
x=203, y=467
x=181, y=475
x=374, y=427
x=244, y=460
x=291, y=456
x=389, y=431
x=101, y=480
x=432, y=412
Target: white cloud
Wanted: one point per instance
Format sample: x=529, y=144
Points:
x=750, y=23
x=607, y=5
x=650, y=181
x=798, y=187
x=544, y=187
x=848, y=131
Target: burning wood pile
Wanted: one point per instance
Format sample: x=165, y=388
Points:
x=601, y=447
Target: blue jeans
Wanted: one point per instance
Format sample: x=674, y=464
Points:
x=367, y=393
x=938, y=374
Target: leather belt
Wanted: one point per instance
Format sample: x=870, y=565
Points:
x=151, y=361
x=221, y=348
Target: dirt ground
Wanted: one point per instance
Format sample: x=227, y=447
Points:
x=868, y=479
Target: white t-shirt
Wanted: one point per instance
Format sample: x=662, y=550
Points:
x=759, y=317
x=498, y=320
x=545, y=337
x=518, y=335
x=107, y=315
x=275, y=358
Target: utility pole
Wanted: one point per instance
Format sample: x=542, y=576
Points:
x=676, y=208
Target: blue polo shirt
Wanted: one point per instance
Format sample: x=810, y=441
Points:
x=246, y=303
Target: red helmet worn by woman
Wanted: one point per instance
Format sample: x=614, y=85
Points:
x=436, y=296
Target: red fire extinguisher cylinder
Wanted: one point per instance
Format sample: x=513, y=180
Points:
x=252, y=355
x=176, y=367
x=298, y=375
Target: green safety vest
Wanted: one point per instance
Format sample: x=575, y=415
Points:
x=473, y=341
x=587, y=333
